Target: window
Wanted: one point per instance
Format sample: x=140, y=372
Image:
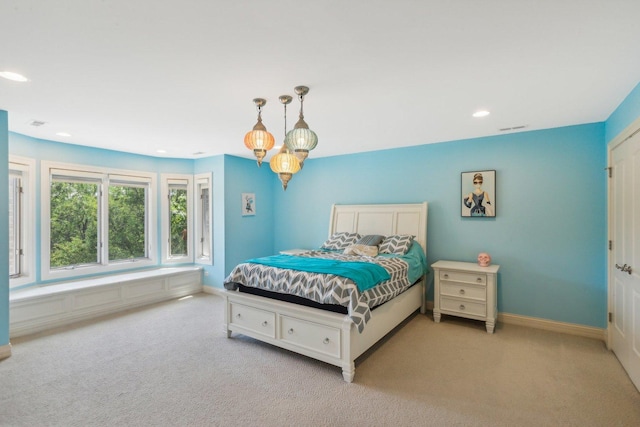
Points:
x=21, y=221
x=177, y=233
x=128, y=223
x=203, y=218
x=94, y=220
x=15, y=223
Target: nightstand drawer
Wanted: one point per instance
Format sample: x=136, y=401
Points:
x=256, y=320
x=456, y=276
x=464, y=290
x=463, y=306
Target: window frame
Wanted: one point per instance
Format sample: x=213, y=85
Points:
x=27, y=169
x=200, y=180
x=165, y=235
x=104, y=175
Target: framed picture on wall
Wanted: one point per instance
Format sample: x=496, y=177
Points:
x=248, y=204
x=478, y=196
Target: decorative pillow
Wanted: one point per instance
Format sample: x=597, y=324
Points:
x=340, y=240
x=370, y=240
x=396, y=244
x=359, y=249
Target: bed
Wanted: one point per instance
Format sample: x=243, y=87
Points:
x=312, y=329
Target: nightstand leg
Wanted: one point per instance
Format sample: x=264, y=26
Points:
x=490, y=326
x=436, y=316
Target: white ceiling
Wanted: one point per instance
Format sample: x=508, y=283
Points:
x=180, y=75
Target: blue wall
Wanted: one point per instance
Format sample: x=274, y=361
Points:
x=624, y=115
x=4, y=228
x=247, y=236
x=549, y=234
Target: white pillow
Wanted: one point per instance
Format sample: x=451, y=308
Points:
x=364, y=250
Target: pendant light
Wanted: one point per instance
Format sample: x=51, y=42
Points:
x=300, y=140
x=258, y=139
x=284, y=163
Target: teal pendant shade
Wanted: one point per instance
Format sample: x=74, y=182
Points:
x=301, y=139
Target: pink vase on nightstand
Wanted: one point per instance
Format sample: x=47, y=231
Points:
x=484, y=259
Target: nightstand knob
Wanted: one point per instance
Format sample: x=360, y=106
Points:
x=238, y=315
x=265, y=323
x=461, y=306
x=326, y=341
x=290, y=331
x=461, y=291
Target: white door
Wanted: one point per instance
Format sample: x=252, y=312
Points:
x=624, y=265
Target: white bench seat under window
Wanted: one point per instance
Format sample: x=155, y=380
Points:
x=44, y=307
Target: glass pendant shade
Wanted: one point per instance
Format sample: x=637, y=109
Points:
x=285, y=165
x=301, y=141
x=258, y=139
x=260, y=142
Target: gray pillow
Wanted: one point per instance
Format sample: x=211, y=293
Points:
x=370, y=240
x=399, y=244
x=340, y=240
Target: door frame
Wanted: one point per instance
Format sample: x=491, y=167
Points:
x=627, y=133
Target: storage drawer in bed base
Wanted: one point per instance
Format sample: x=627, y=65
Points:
x=322, y=335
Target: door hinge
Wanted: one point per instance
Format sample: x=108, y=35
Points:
x=610, y=244
x=610, y=317
x=610, y=169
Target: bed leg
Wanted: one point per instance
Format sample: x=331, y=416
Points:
x=348, y=372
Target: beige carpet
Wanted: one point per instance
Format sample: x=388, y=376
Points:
x=171, y=365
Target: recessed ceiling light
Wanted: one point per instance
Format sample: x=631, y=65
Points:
x=481, y=113
x=161, y=151
x=63, y=134
x=9, y=75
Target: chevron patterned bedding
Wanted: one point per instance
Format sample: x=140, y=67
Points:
x=327, y=288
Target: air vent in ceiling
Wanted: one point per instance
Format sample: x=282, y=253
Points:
x=513, y=128
x=36, y=123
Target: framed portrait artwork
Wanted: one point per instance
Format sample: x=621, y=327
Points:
x=248, y=204
x=478, y=195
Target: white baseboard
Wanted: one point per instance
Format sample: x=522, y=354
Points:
x=548, y=325
x=552, y=325
x=212, y=290
x=5, y=351
x=46, y=307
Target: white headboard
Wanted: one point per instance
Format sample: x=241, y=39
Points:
x=381, y=219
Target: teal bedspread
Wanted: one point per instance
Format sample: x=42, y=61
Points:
x=365, y=275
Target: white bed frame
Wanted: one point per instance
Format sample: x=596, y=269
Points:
x=326, y=336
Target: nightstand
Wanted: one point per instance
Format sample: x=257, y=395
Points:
x=467, y=290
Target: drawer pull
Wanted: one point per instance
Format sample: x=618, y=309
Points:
x=446, y=276
x=461, y=306
x=479, y=279
x=290, y=331
x=326, y=341
x=265, y=323
x=461, y=291
x=238, y=315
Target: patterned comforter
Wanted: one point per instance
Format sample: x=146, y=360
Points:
x=327, y=288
